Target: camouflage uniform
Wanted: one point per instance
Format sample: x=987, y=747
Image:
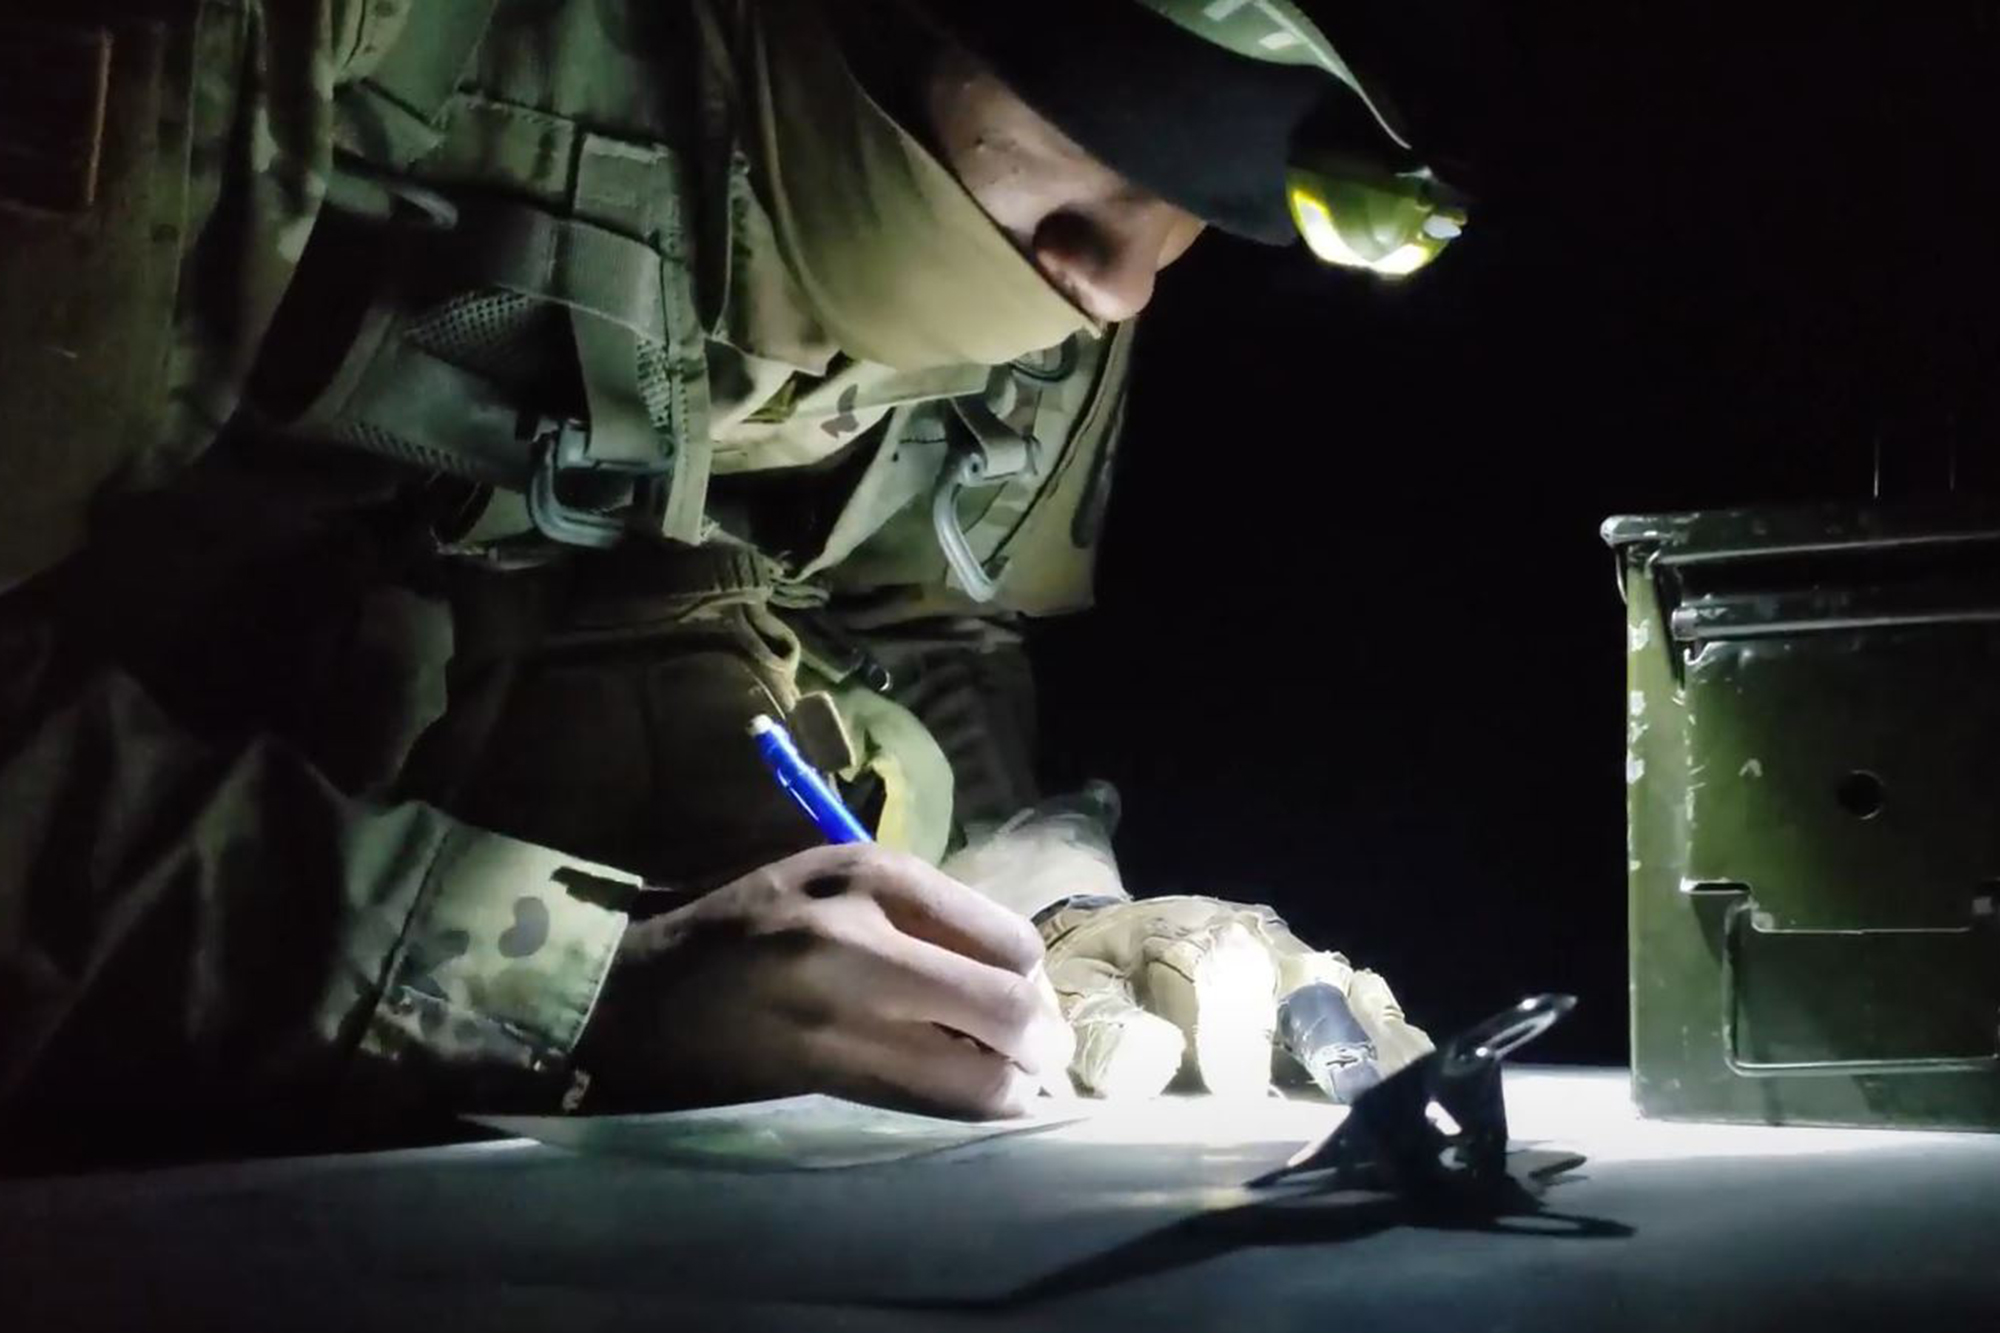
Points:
x=296, y=767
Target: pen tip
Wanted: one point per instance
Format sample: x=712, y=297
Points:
x=761, y=725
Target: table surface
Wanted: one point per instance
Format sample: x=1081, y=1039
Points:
x=1134, y=1218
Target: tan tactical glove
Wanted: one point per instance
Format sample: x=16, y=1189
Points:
x=1164, y=986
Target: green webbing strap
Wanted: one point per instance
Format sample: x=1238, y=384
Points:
x=639, y=191
x=394, y=116
x=574, y=264
x=621, y=424
x=620, y=267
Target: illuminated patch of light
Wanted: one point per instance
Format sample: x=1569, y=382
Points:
x=1321, y=233
x=1589, y=1111
x=1204, y=1122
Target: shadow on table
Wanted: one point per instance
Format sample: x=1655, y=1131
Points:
x=1298, y=1219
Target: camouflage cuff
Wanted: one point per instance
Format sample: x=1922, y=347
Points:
x=494, y=978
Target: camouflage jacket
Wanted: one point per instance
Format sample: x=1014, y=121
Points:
x=276, y=762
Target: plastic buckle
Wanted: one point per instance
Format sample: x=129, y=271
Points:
x=563, y=449
x=991, y=452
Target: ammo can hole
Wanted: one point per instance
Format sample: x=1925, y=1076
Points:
x=1861, y=795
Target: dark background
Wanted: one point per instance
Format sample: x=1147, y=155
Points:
x=1359, y=650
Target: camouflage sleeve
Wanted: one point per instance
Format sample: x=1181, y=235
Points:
x=261, y=76
x=203, y=924
x=160, y=177
x=197, y=930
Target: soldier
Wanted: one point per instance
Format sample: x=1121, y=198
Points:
x=434, y=431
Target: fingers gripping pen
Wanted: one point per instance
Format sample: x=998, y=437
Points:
x=837, y=824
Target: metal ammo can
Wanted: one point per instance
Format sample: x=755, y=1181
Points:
x=1813, y=775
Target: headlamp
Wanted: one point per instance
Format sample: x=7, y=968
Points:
x=1357, y=216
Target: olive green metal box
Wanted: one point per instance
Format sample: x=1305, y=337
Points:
x=1813, y=774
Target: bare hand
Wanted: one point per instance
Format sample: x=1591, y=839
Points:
x=847, y=970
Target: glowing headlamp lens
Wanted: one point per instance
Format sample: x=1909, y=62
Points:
x=1390, y=228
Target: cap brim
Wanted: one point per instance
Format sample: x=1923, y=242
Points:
x=1199, y=126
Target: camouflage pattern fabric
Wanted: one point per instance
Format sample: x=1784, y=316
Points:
x=214, y=891
x=1275, y=31
x=227, y=874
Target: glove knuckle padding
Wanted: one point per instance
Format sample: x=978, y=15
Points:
x=1194, y=983
x=1218, y=985
x=1093, y=937
x=1201, y=967
x=1120, y=934
x=1079, y=980
x=1123, y=1051
x=1299, y=964
x=1397, y=1041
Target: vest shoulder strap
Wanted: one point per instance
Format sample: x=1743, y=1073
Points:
x=394, y=114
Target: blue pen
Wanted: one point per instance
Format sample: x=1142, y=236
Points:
x=820, y=802
x=838, y=825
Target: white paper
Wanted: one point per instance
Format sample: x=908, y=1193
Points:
x=811, y=1133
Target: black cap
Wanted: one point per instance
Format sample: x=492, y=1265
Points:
x=1203, y=127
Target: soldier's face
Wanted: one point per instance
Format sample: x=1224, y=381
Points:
x=1098, y=237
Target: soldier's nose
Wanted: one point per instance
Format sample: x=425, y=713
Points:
x=1107, y=268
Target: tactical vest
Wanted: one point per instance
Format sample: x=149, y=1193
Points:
x=582, y=307
x=572, y=298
